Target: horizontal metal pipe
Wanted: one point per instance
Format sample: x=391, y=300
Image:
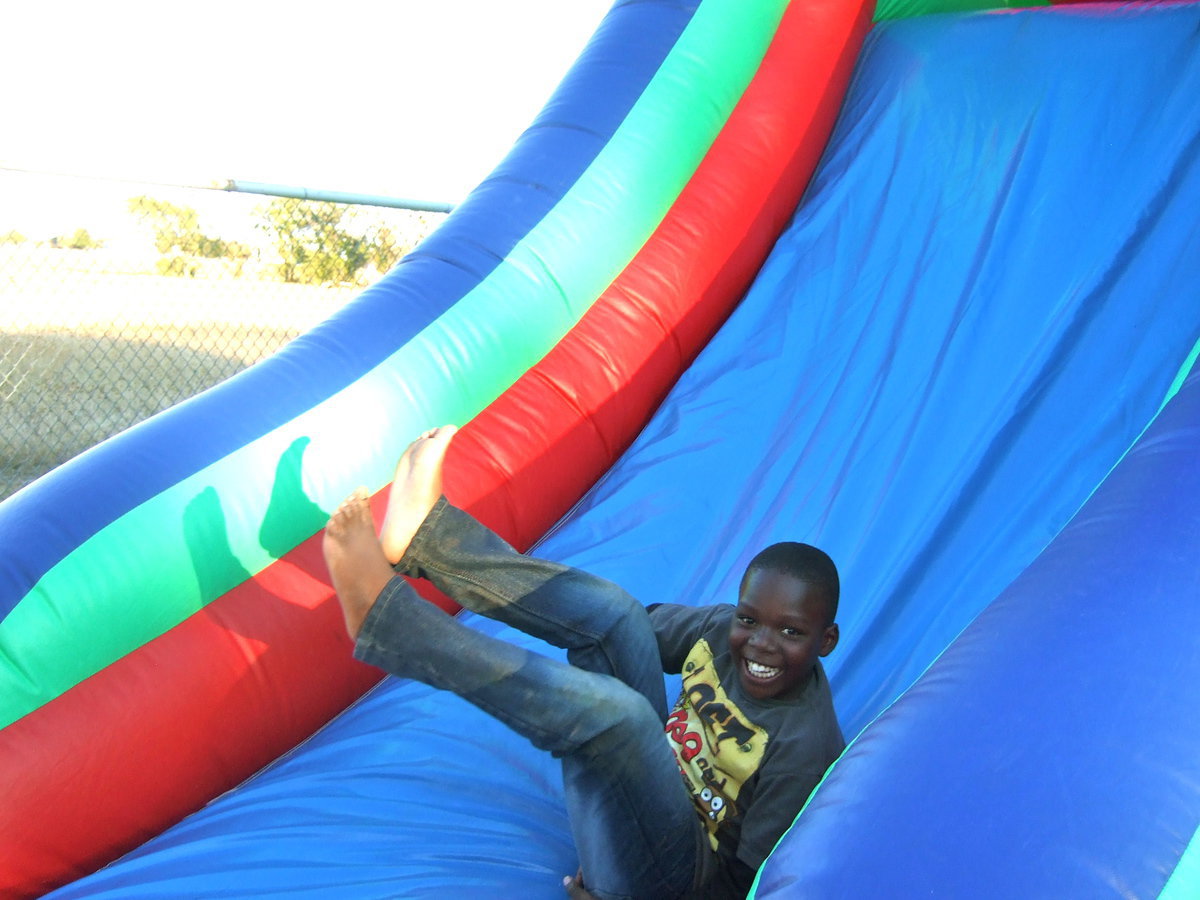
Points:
x=257, y=187
x=303, y=193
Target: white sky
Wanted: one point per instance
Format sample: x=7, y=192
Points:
x=395, y=97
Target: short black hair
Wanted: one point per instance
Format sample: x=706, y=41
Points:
x=805, y=562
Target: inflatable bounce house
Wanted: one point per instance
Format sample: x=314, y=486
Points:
x=920, y=286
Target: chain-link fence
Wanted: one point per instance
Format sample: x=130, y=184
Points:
x=118, y=301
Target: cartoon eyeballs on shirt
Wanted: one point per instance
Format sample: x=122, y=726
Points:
x=712, y=802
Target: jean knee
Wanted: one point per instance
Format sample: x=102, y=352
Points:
x=627, y=719
x=614, y=615
x=604, y=593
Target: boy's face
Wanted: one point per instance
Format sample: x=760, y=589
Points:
x=778, y=631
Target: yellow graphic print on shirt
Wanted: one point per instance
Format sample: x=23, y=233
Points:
x=716, y=746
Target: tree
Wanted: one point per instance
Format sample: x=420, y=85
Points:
x=175, y=227
x=313, y=245
x=386, y=251
x=177, y=236
x=80, y=240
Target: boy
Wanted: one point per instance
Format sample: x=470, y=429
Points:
x=753, y=730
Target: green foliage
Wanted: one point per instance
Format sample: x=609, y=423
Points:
x=386, y=251
x=316, y=242
x=13, y=237
x=177, y=236
x=80, y=240
x=177, y=264
x=313, y=243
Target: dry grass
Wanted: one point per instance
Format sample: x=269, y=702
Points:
x=90, y=346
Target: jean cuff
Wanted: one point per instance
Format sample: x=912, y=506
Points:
x=382, y=619
x=428, y=526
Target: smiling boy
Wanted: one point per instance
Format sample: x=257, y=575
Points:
x=752, y=732
x=754, y=727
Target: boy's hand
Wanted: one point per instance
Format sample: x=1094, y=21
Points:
x=575, y=889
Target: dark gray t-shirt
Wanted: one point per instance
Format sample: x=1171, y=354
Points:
x=749, y=764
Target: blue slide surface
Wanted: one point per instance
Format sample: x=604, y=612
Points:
x=982, y=303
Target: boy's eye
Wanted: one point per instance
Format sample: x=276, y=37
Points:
x=793, y=632
x=745, y=620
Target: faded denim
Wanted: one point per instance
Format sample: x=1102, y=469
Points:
x=633, y=822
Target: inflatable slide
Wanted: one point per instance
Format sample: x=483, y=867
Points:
x=957, y=357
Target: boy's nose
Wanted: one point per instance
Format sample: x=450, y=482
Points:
x=762, y=639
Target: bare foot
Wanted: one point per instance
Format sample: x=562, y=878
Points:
x=416, y=487
x=355, y=559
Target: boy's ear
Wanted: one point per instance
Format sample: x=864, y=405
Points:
x=829, y=640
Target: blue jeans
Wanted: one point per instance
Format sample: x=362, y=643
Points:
x=634, y=825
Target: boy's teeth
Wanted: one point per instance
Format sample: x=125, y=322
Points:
x=761, y=671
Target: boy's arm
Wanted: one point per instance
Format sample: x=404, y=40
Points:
x=779, y=797
x=678, y=627
x=803, y=748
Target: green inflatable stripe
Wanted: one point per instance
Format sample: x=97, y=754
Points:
x=1181, y=376
x=168, y=558
x=1184, y=883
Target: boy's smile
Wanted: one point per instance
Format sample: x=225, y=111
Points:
x=779, y=629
